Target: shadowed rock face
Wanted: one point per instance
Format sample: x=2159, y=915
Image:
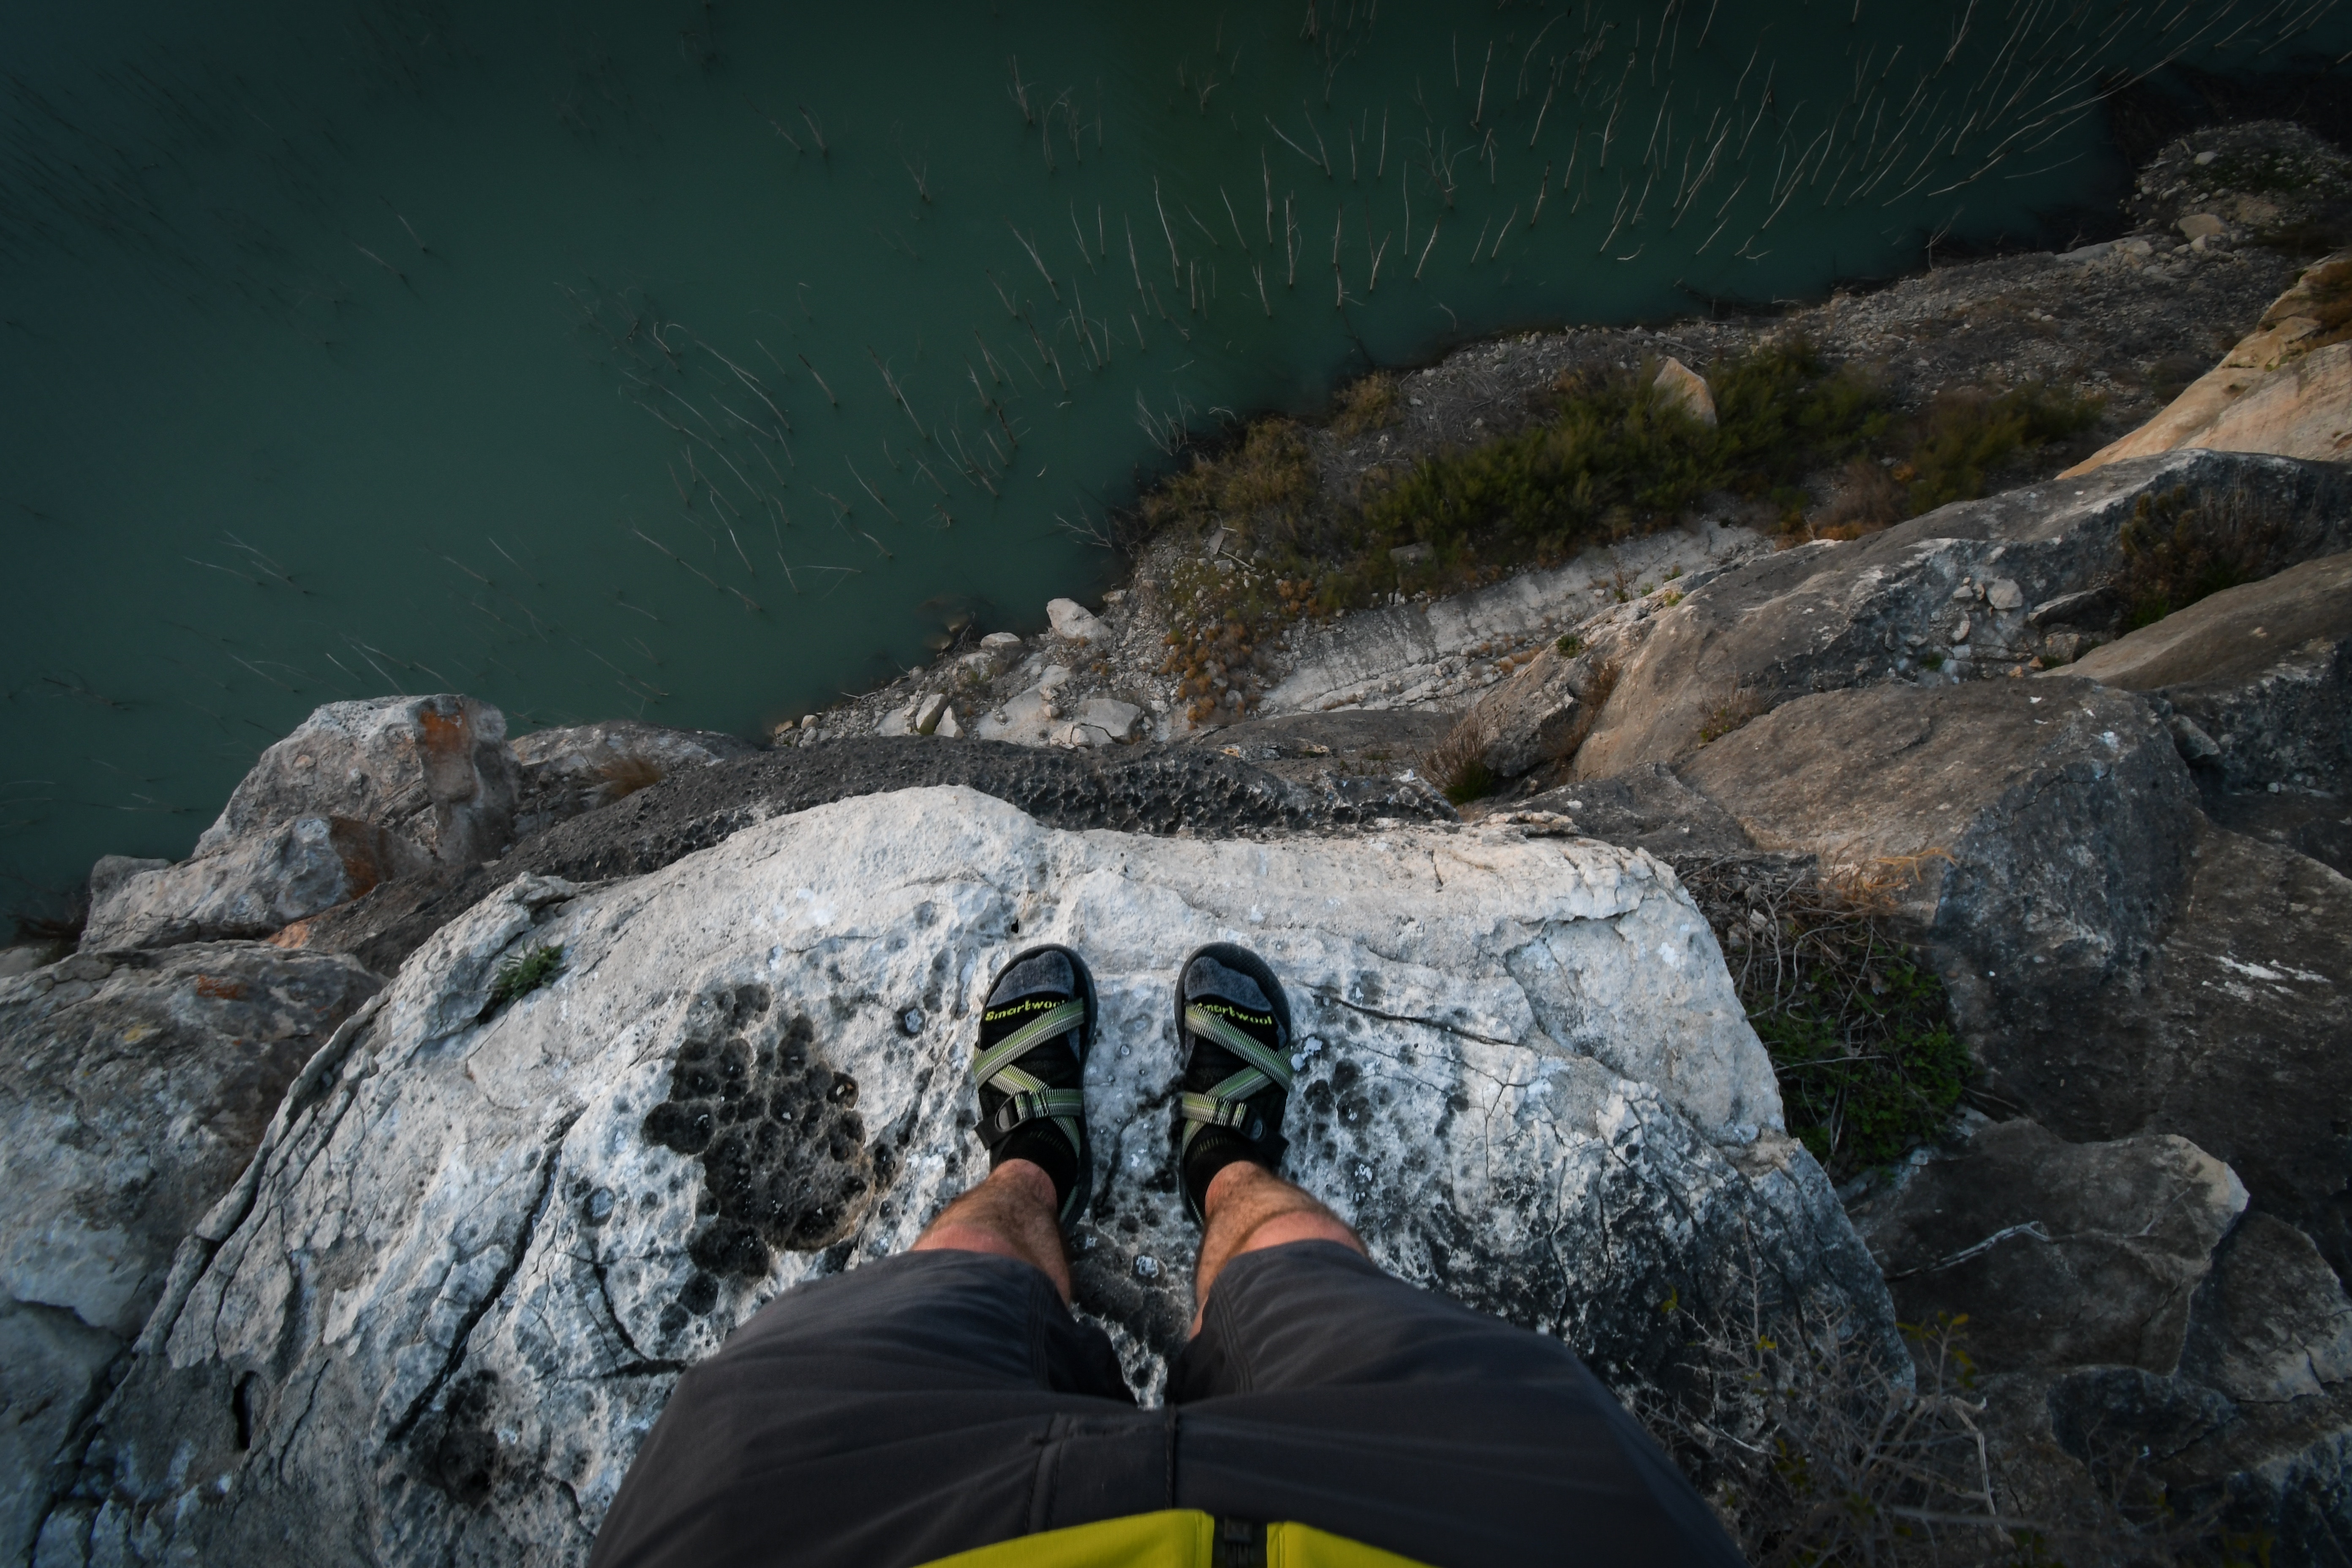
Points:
x=2062, y=1254
x=2256, y=685
x=2234, y=1033
x=133, y=1087
x=482, y=1243
x=563, y=772
x=2046, y=823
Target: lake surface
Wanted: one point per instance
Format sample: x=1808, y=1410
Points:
x=699, y=362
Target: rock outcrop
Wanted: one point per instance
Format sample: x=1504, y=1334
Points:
x=2233, y=1032
x=2064, y=1255
x=2140, y=1329
x=1974, y=588
x=563, y=772
x=478, y=1242
x=2286, y=388
x=134, y=1088
x=2256, y=684
x=362, y=791
x=2038, y=831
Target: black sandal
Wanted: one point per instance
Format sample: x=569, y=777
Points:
x=1036, y=1030
x=1234, y=1020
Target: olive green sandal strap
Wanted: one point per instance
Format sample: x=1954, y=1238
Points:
x=1200, y=1021
x=991, y=1063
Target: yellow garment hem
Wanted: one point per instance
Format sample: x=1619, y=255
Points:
x=1172, y=1537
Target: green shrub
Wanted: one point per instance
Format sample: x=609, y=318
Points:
x=1617, y=457
x=2182, y=545
x=1857, y=1109
x=1966, y=435
x=1856, y=1023
x=524, y=973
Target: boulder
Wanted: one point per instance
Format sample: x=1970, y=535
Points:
x=133, y=1088
x=1685, y=389
x=2255, y=1428
x=1072, y=620
x=2134, y=1330
x=1915, y=603
x=2062, y=1254
x=2231, y=1032
x=563, y=772
x=1530, y=717
x=250, y=885
x=360, y=793
x=481, y=1243
x=1107, y=721
x=2272, y=1324
x=436, y=771
x=2256, y=682
x=2036, y=832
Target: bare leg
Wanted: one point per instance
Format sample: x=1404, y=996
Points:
x=1012, y=1214
x=1250, y=1207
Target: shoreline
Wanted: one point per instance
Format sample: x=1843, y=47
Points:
x=2118, y=320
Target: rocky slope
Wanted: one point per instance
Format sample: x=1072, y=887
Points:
x=319, y=1244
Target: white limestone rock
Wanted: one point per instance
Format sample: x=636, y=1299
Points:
x=472, y=1257
x=359, y=793
x=1072, y=620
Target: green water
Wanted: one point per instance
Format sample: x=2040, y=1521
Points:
x=693, y=363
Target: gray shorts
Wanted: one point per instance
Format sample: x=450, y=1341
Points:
x=934, y=1402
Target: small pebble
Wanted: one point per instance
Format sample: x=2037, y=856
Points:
x=1146, y=1266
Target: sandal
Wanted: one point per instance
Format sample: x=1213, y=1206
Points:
x=1234, y=1020
x=1035, y=1031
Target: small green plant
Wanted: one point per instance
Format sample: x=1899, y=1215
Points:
x=1569, y=646
x=1457, y=764
x=1856, y=1022
x=1731, y=714
x=1931, y=659
x=525, y=973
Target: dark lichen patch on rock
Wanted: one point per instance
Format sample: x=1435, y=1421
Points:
x=457, y=1446
x=785, y=1160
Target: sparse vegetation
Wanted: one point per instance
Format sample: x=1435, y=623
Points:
x=620, y=777
x=1867, y=498
x=1367, y=404
x=525, y=973
x=2181, y=546
x=1966, y=435
x=1617, y=458
x=1732, y=714
x=1819, y=1450
x=1457, y=764
x=1857, y=1024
